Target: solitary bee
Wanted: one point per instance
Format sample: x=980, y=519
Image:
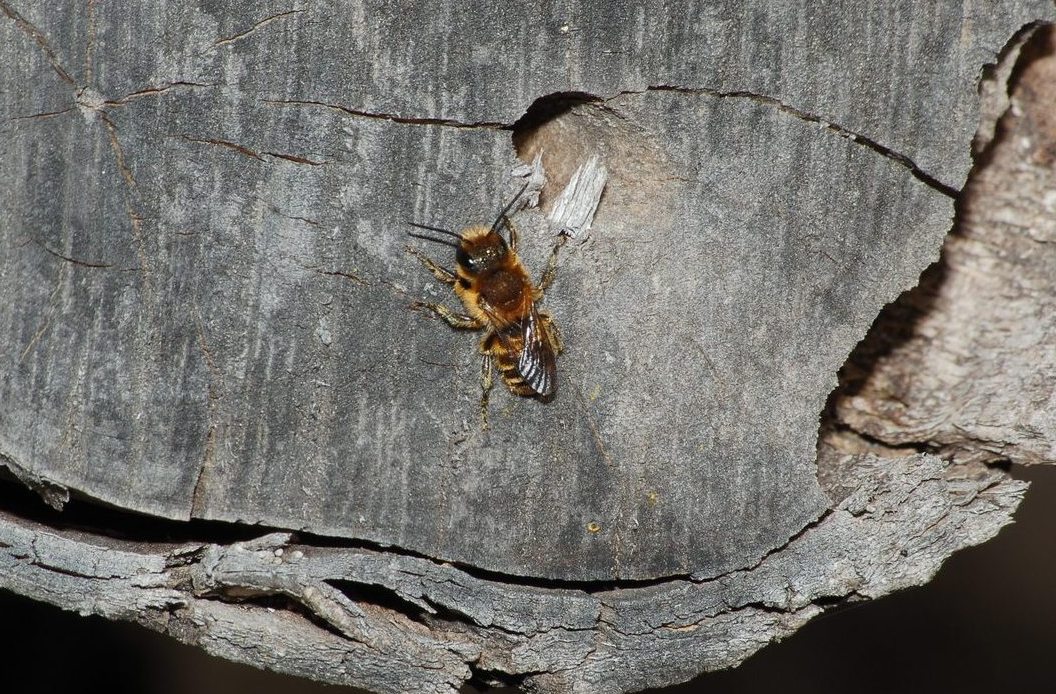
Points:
x=499, y=297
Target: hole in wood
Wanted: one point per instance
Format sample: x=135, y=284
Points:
x=555, y=125
x=569, y=128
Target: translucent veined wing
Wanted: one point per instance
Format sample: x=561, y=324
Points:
x=536, y=354
x=537, y=362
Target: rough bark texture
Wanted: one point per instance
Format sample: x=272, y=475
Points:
x=399, y=623
x=964, y=363
x=208, y=320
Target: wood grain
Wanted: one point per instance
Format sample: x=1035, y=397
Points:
x=208, y=319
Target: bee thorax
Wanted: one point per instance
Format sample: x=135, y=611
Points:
x=505, y=289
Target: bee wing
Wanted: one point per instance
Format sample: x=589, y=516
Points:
x=537, y=362
x=536, y=354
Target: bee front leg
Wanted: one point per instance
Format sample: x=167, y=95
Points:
x=513, y=232
x=455, y=320
x=440, y=273
x=551, y=265
x=485, y=387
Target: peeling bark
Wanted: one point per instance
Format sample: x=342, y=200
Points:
x=961, y=363
x=894, y=523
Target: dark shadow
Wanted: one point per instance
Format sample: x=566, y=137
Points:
x=542, y=111
x=95, y=516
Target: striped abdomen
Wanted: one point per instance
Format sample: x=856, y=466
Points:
x=526, y=357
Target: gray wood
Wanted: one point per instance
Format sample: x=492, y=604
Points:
x=208, y=318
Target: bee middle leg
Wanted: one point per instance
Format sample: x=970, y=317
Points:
x=551, y=264
x=552, y=332
x=455, y=320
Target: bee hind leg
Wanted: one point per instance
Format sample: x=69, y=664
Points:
x=552, y=332
x=486, y=383
x=455, y=320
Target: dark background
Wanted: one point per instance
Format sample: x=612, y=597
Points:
x=985, y=624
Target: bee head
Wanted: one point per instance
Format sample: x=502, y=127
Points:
x=480, y=250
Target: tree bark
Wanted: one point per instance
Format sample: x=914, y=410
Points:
x=209, y=324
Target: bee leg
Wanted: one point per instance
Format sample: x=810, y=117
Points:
x=485, y=387
x=551, y=265
x=513, y=232
x=552, y=332
x=442, y=274
x=455, y=320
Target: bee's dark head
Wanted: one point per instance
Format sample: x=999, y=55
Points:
x=481, y=249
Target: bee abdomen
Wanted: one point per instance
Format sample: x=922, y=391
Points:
x=513, y=378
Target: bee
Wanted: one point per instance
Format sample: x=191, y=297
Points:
x=500, y=298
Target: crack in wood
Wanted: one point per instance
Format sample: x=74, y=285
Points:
x=223, y=41
x=252, y=154
x=843, y=132
x=407, y=120
x=354, y=278
x=235, y=147
x=37, y=36
x=68, y=259
x=156, y=90
x=294, y=159
x=42, y=115
x=131, y=191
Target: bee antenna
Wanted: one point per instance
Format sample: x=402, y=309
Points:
x=436, y=229
x=509, y=205
x=434, y=240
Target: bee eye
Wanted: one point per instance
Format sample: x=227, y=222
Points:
x=463, y=258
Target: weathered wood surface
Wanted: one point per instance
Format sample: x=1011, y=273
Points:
x=205, y=255
x=965, y=362
x=208, y=319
